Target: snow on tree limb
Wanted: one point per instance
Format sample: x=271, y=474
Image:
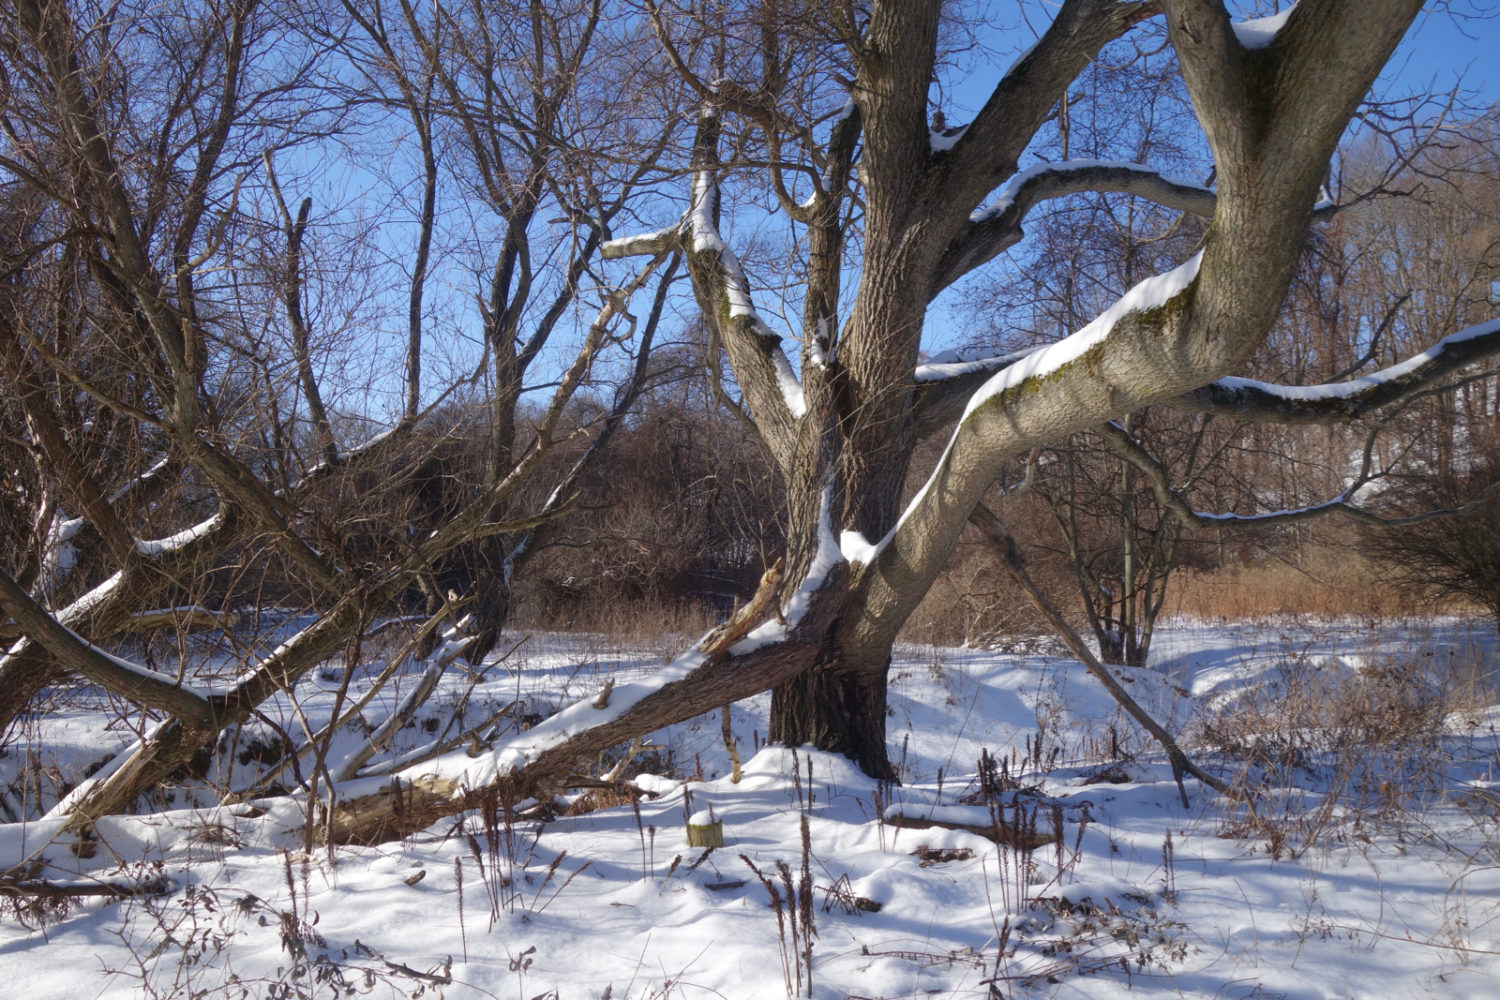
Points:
x=1049, y=180
x=949, y=365
x=539, y=760
x=1259, y=32
x=943, y=388
x=1153, y=293
x=764, y=372
x=705, y=239
x=177, y=542
x=998, y=226
x=1249, y=399
x=1028, y=91
x=114, y=674
x=644, y=244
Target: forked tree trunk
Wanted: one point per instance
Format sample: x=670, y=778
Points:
x=844, y=430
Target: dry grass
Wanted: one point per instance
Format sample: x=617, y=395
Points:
x=970, y=607
x=645, y=623
x=1328, y=584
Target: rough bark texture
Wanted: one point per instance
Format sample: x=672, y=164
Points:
x=838, y=706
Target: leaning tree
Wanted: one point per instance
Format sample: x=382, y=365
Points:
x=890, y=206
x=832, y=104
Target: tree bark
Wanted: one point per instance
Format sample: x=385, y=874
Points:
x=839, y=706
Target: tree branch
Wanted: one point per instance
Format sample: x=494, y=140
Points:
x=145, y=687
x=1248, y=399
x=1010, y=557
x=998, y=227
x=991, y=146
x=1128, y=449
x=944, y=389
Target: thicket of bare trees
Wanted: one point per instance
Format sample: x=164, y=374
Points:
x=192, y=419
x=350, y=309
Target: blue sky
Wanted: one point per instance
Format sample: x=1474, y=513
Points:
x=1450, y=44
x=1445, y=44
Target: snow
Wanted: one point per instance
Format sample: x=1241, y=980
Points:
x=705, y=236
x=701, y=224
x=629, y=246
x=119, y=760
x=172, y=543
x=59, y=554
x=572, y=720
x=148, y=475
x=818, y=351
x=945, y=140
x=791, y=388
x=1259, y=32
x=368, y=444
x=951, y=364
x=857, y=549
x=90, y=600
x=1341, y=499
x=828, y=556
x=1353, y=387
x=1396, y=897
x=1152, y=293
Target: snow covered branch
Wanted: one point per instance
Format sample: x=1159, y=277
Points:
x=945, y=385
x=116, y=675
x=1121, y=360
x=1248, y=399
x=999, y=225
x=761, y=367
x=1026, y=95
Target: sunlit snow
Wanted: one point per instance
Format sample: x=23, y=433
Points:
x=1324, y=892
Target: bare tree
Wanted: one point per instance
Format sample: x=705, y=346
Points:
x=539, y=109
x=172, y=298
x=1272, y=99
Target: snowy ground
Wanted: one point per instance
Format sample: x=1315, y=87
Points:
x=1369, y=867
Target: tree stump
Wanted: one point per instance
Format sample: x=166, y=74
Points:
x=703, y=830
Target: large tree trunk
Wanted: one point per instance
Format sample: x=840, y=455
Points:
x=491, y=598
x=837, y=705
